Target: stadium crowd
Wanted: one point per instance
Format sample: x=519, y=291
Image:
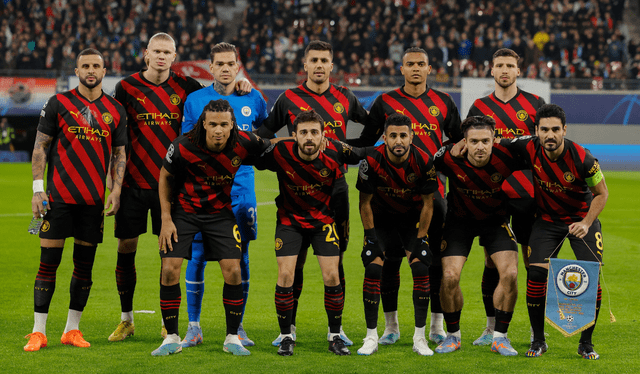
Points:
x=557, y=39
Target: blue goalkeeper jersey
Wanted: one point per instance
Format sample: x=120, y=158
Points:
x=250, y=110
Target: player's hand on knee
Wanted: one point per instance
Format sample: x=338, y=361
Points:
x=371, y=248
x=579, y=229
x=422, y=251
x=167, y=234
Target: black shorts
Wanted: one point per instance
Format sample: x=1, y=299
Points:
x=546, y=237
x=396, y=233
x=436, y=227
x=340, y=207
x=523, y=215
x=289, y=240
x=220, y=235
x=495, y=236
x=82, y=222
x=131, y=218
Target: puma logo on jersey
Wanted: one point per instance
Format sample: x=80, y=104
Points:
x=75, y=114
x=462, y=177
x=538, y=168
x=291, y=174
x=305, y=109
x=141, y=100
x=401, y=111
x=203, y=166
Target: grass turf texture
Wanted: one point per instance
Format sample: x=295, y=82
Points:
x=617, y=343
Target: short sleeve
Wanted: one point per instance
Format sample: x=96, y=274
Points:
x=48, y=123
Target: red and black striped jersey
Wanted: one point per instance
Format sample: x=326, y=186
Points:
x=155, y=115
x=84, y=133
x=514, y=118
x=561, y=186
x=433, y=115
x=204, y=178
x=476, y=192
x=397, y=189
x=306, y=187
x=337, y=105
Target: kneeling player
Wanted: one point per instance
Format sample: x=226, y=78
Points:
x=196, y=177
x=396, y=181
x=477, y=207
x=307, y=177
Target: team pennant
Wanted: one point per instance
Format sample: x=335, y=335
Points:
x=572, y=290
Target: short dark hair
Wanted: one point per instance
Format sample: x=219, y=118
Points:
x=550, y=111
x=198, y=135
x=415, y=50
x=223, y=47
x=398, y=119
x=478, y=122
x=89, y=52
x=318, y=45
x=505, y=52
x=308, y=116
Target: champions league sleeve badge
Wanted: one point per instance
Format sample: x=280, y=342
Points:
x=572, y=290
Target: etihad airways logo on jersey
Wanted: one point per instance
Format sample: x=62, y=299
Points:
x=89, y=133
x=160, y=119
x=555, y=187
x=509, y=133
x=478, y=194
x=394, y=192
x=219, y=180
x=423, y=129
x=308, y=189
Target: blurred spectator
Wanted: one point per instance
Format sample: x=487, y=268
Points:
x=7, y=135
x=47, y=34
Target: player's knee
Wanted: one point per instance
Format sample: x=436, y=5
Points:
x=127, y=245
x=450, y=279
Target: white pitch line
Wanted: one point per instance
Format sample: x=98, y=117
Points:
x=16, y=215
x=266, y=203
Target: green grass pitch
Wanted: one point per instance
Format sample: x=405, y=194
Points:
x=617, y=343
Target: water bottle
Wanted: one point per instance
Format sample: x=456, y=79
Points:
x=36, y=222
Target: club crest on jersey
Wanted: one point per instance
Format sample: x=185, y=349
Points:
x=174, y=99
x=572, y=280
x=45, y=226
x=434, y=111
x=364, y=166
x=170, y=151
x=107, y=118
x=443, y=245
x=411, y=178
x=325, y=172
x=338, y=108
x=522, y=115
x=236, y=161
x=497, y=177
x=569, y=177
x=278, y=244
x=246, y=111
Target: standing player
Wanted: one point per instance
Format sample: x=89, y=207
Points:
x=478, y=208
x=433, y=115
x=251, y=110
x=153, y=99
x=514, y=111
x=570, y=194
x=307, y=178
x=336, y=105
x=79, y=132
x=396, y=182
x=195, y=196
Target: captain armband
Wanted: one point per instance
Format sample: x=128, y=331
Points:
x=595, y=179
